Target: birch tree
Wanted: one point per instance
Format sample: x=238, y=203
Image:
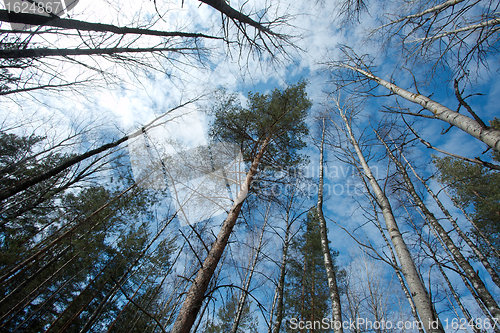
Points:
x=468, y=270
x=475, y=187
x=459, y=34
x=441, y=261
x=408, y=268
x=490, y=136
x=327, y=256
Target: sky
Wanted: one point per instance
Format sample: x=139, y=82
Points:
x=134, y=98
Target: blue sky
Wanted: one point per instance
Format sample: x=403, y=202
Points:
x=136, y=98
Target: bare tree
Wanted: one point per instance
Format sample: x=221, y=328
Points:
x=289, y=204
x=25, y=184
x=489, y=136
x=327, y=256
x=248, y=277
x=469, y=271
x=451, y=33
x=30, y=57
x=417, y=288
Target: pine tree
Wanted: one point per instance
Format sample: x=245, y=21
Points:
x=61, y=258
x=269, y=133
x=478, y=188
x=306, y=294
x=225, y=315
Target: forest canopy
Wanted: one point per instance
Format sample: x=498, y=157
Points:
x=249, y=166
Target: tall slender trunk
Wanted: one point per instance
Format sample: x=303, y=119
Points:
x=24, y=184
x=327, y=256
x=313, y=289
x=453, y=292
x=415, y=284
x=466, y=282
x=475, y=249
x=303, y=294
x=438, y=262
x=469, y=271
x=395, y=263
x=45, y=52
x=488, y=135
x=65, y=23
x=196, y=294
x=281, y=281
x=244, y=292
x=97, y=312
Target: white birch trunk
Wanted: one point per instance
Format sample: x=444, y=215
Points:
x=462, y=275
x=469, y=271
x=470, y=243
x=327, y=256
x=395, y=262
x=434, y=9
x=489, y=136
x=412, y=276
x=456, y=31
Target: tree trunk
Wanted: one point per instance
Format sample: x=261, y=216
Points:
x=327, y=256
x=243, y=297
x=303, y=294
x=469, y=271
x=25, y=184
x=33, y=19
x=45, y=52
x=464, y=278
x=470, y=243
x=489, y=136
x=196, y=294
x=97, y=312
x=281, y=282
x=415, y=284
x=454, y=293
x=395, y=263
